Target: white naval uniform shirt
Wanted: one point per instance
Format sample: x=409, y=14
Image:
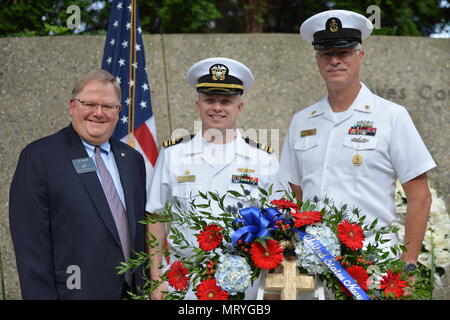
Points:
x=212, y=166
x=321, y=163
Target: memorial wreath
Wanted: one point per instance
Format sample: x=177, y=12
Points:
x=233, y=248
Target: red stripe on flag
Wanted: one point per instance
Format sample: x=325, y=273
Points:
x=145, y=138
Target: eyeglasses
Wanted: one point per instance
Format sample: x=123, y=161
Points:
x=92, y=106
x=341, y=54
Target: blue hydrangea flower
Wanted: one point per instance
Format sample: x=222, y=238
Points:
x=233, y=274
x=306, y=258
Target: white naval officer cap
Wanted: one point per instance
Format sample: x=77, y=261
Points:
x=220, y=75
x=336, y=29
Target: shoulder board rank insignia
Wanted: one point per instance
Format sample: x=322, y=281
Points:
x=258, y=145
x=172, y=142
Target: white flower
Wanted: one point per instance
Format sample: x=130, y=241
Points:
x=234, y=274
x=438, y=204
x=306, y=258
x=442, y=258
x=437, y=235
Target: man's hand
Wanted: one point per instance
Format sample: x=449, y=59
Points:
x=159, y=293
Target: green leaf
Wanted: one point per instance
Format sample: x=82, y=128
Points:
x=213, y=196
x=235, y=194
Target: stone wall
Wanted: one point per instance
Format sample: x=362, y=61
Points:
x=36, y=77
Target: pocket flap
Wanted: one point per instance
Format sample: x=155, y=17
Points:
x=186, y=190
x=360, y=142
x=306, y=143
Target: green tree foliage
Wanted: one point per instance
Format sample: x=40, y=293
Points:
x=178, y=16
x=398, y=17
x=44, y=17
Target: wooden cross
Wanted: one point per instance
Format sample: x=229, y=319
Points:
x=290, y=282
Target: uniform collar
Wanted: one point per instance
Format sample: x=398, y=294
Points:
x=362, y=103
x=197, y=144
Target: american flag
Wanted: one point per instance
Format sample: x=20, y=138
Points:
x=124, y=57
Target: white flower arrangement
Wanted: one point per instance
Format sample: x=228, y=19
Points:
x=436, y=243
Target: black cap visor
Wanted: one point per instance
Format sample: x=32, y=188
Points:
x=336, y=43
x=342, y=38
x=225, y=91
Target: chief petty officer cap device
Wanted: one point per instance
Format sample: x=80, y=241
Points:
x=336, y=29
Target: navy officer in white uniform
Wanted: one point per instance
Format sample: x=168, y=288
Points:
x=217, y=158
x=352, y=145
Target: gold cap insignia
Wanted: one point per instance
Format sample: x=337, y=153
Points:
x=218, y=72
x=334, y=26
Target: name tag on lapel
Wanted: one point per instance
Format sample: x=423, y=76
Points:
x=84, y=165
x=309, y=132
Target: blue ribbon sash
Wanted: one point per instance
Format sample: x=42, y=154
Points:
x=258, y=223
x=335, y=267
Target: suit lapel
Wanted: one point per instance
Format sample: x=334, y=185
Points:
x=123, y=164
x=91, y=183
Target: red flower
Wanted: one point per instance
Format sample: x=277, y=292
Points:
x=268, y=257
x=177, y=276
x=210, y=238
x=282, y=204
x=306, y=217
x=360, y=275
x=351, y=234
x=392, y=284
x=209, y=290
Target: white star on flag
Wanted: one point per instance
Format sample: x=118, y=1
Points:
x=124, y=58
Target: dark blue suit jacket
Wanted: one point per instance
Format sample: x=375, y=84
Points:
x=59, y=218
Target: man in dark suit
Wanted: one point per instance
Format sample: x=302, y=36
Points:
x=75, y=202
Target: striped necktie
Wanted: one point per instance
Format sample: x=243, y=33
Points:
x=117, y=209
